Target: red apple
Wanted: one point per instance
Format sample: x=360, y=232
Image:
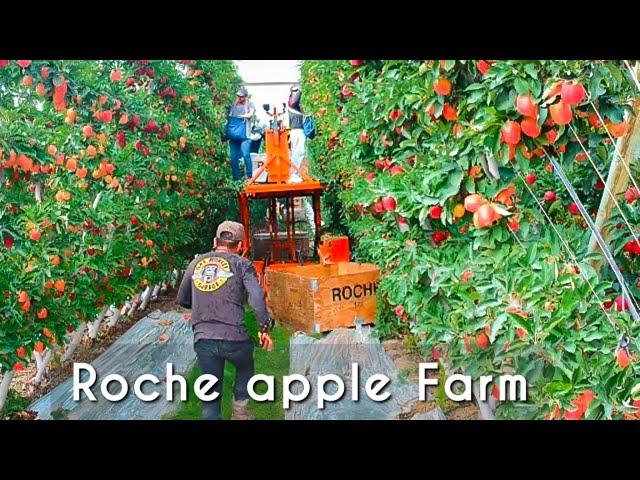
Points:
x=572, y=93
x=483, y=66
x=530, y=128
x=631, y=195
x=573, y=209
x=561, y=112
x=510, y=133
x=435, y=212
x=530, y=178
x=442, y=86
x=526, y=106
x=621, y=304
x=389, y=204
x=396, y=170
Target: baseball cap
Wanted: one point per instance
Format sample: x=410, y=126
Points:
x=242, y=92
x=234, y=228
x=295, y=88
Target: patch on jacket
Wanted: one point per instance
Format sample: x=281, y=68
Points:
x=211, y=273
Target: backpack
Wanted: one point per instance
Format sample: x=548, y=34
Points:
x=308, y=123
x=309, y=127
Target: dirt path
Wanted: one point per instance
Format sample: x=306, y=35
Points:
x=407, y=362
x=405, y=359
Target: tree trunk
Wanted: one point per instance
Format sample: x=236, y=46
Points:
x=96, y=201
x=75, y=341
x=175, y=278
x=486, y=410
x=94, y=327
x=144, y=299
x=132, y=308
x=156, y=292
x=5, y=384
x=41, y=361
x=38, y=192
x=114, y=317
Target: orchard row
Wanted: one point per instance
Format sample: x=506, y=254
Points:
x=112, y=174
x=441, y=173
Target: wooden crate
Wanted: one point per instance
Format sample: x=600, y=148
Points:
x=318, y=298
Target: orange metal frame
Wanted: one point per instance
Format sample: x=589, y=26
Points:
x=278, y=166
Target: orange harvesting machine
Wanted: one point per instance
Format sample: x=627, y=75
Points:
x=282, y=261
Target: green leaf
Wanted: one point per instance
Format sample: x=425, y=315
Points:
x=522, y=87
x=594, y=336
x=615, y=71
x=536, y=88
x=559, y=387
x=496, y=326
x=531, y=70
x=469, y=185
x=505, y=100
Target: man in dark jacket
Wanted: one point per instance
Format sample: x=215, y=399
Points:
x=214, y=288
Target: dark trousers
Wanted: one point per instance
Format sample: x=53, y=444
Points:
x=212, y=355
x=240, y=149
x=255, y=146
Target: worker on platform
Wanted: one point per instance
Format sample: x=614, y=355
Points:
x=214, y=288
x=297, y=138
x=244, y=109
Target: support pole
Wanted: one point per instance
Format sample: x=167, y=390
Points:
x=317, y=217
x=601, y=242
x=243, y=203
x=273, y=220
x=617, y=180
x=291, y=229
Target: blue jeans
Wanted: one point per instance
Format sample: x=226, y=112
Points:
x=212, y=355
x=240, y=149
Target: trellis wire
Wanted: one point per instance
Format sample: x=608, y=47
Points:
x=571, y=254
x=516, y=237
x=633, y=74
x=606, y=187
x=615, y=146
x=603, y=245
